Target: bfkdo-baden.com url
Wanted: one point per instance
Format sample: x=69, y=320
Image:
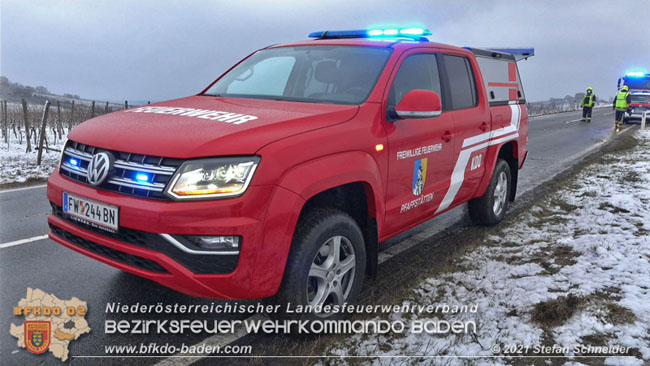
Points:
x=152, y=348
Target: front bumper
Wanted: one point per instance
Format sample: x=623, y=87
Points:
x=137, y=248
x=637, y=115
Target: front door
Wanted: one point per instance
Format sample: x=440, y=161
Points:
x=421, y=150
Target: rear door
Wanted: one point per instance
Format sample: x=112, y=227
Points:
x=421, y=150
x=472, y=123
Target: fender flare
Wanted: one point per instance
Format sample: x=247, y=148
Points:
x=315, y=176
x=491, y=161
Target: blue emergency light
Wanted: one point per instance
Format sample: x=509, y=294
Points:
x=410, y=32
x=636, y=74
x=74, y=162
x=142, y=177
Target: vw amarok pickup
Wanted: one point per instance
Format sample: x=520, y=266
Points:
x=283, y=177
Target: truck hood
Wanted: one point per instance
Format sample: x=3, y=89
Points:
x=200, y=126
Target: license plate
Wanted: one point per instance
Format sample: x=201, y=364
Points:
x=96, y=214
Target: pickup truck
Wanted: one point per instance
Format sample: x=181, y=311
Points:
x=283, y=177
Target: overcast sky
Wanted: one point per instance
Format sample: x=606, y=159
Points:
x=157, y=50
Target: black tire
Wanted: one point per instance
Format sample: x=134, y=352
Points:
x=315, y=230
x=483, y=210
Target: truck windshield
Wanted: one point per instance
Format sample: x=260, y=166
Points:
x=321, y=74
x=640, y=99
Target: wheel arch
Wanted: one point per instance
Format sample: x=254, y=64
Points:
x=354, y=186
x=508, y=151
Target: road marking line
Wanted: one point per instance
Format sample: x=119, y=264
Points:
x=23, y=188
x=22, y=241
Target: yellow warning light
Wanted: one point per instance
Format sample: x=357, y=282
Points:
x=379, y=147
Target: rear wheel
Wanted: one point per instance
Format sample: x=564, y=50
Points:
x=326, y=265
x=490, y=208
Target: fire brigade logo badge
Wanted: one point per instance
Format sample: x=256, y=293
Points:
x=37, y=336
x=419, y=176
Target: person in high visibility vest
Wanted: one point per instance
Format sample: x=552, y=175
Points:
x=621, y=103
x=587, y=104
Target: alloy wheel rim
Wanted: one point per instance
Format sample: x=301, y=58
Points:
x=500, y=193
x=331, y=274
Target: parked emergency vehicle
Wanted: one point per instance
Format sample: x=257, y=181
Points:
x=284, y=176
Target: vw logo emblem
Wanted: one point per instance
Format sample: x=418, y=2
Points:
x=100, y=165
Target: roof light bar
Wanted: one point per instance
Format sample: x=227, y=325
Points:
x=372, y=33
x=636, y=74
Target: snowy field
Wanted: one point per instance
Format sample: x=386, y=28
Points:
x=572, y=271
x=17, y=166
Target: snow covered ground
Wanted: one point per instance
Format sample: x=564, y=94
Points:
x=17, y=166
x=572, y=271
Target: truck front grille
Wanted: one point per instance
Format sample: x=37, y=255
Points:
x=122, y=179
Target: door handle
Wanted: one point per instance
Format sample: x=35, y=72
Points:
x=484, y=126
x=447, y=136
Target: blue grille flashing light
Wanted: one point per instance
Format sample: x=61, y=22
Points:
x=362, y=33
x=73, y=162
x=142, y=177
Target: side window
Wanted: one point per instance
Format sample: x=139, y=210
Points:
x=462, y=86
x=418, y=71
x=501, y=78
x=259, y=80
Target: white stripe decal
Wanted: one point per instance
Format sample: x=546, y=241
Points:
x=494, y=137
x=458, y=176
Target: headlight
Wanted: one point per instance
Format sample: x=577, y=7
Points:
x=212, y=178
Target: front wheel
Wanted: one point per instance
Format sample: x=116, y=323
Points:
x=490, y=208
x=326, y=265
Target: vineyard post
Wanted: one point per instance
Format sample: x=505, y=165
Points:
x=5, y=121
x=29, y=144
x=71, y=117
x=59, y=121
x=43, y=132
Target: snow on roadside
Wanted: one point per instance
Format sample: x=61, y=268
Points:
x=589, y=239
x=17, y=166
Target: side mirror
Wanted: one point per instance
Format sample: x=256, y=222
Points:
x=419, y=103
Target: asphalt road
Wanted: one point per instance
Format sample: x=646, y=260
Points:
x=555, y=141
